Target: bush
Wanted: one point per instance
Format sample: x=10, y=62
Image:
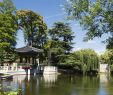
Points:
x=2, y=92
x=9, y=93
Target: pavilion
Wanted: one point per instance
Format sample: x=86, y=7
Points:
x=29, y=54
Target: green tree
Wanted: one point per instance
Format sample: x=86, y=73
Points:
x=84, y=60
x=104, y=58
x=60, y=39
x=107, y=58
x=8, y=29
x=95, y=16
x=33, y=26
x=7, y=7
x=91, y=59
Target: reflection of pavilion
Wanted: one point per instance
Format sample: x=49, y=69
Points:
x=103, y=78
x=19, y=79
x=50, y=78
x=104, y=84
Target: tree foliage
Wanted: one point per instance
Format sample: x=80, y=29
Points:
x=60, y=41
x=84, y=60
x=104, y=58
x=8, y=24
x=95, y=16
x=33, y=27
x=107, y=57
x=7, y=7
x=3, y=92
x=8, y=28
x=61, y=35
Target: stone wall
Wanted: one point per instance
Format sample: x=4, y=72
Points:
x=103, y=68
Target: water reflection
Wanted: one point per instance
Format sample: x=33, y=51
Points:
x=104, y=78
x=50, y=78
x=80, y=85
x=106, y=85
x=62, y=85
x=19, y=79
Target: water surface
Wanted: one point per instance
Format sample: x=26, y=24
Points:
x=61, y=85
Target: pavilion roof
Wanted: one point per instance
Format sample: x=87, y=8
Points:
x=28, y=49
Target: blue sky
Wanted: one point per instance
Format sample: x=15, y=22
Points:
x=52, y=11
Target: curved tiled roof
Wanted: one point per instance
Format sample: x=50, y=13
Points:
x=28, y=49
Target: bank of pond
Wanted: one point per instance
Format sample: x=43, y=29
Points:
x=82, y=70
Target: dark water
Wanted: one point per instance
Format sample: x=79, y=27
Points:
x=61, y=85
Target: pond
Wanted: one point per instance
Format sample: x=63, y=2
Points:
x=61, y=85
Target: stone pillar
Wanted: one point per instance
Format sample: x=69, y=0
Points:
x=28, y=71
x=29, y=60
x=21, y=59
x=33, y=60
x=25, y=59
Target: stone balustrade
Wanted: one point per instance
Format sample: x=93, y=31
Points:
x=14, y=70
x=10, y=68
x=50, y=70
x=103, y=68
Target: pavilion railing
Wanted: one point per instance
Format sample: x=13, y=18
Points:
x=10, y=68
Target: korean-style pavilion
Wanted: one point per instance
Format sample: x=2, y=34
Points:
x=28, y=54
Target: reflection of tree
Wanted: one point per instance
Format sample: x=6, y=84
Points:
x=71, y=85
x=109, y=85
x=64, y=85
x=89, y=86
x=32, y=86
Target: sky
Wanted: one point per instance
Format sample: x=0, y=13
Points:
x=52, y=11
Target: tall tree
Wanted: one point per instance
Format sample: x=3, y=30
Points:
x=8, y=24
x=33, y=26
x=8, y=28
x=95, y=16
x=62, y=34
x=61, y=37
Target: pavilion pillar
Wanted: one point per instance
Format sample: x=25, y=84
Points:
x=33, y=60
x=25, y=59
x=21, y=59
x=28, y=59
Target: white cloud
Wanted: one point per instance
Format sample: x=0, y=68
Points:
x=76, y=24
x=52, y=16
x=61, y=5
x=63, y=9
x=91, y=42
x=76, y=48
x=68, y=0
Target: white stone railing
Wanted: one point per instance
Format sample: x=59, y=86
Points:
x=50, y=70
x=10, y=68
